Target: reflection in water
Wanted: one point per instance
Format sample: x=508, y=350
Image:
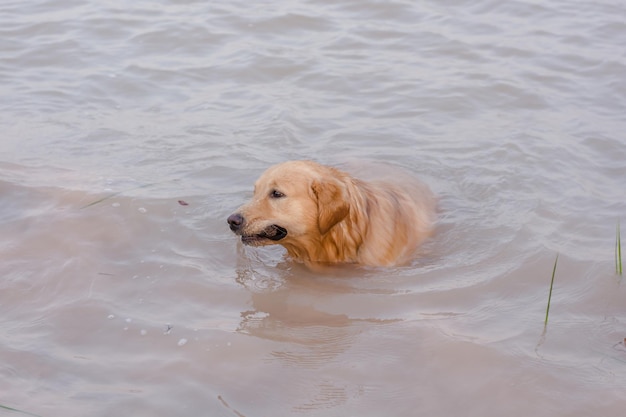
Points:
x=284, y=301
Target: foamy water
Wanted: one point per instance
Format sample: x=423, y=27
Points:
x=130, y=131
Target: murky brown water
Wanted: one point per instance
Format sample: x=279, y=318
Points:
x=118, y=299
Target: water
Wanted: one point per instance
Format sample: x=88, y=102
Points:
x=116, y=298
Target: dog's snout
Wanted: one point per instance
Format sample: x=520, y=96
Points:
x=235, y=221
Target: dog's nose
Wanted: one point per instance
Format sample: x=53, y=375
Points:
x=235, y=221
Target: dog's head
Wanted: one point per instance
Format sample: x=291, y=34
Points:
x=293, y=201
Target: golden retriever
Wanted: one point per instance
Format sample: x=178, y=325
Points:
x=323, y=215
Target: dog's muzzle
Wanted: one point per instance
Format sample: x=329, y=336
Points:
x=273, y=232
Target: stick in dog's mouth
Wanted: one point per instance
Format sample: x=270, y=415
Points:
x=272, y=232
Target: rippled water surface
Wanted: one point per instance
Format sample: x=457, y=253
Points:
x=131, y=130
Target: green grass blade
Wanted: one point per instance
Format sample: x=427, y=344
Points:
x=618, y=250
x=100, y=200
x=15, y=410
x=551, y=286
x=93, y=203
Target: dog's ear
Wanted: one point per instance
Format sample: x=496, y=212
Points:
x=332, y=203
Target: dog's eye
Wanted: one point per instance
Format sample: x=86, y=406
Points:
x=276, y=194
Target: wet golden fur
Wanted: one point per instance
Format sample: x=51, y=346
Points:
x=323, y=215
